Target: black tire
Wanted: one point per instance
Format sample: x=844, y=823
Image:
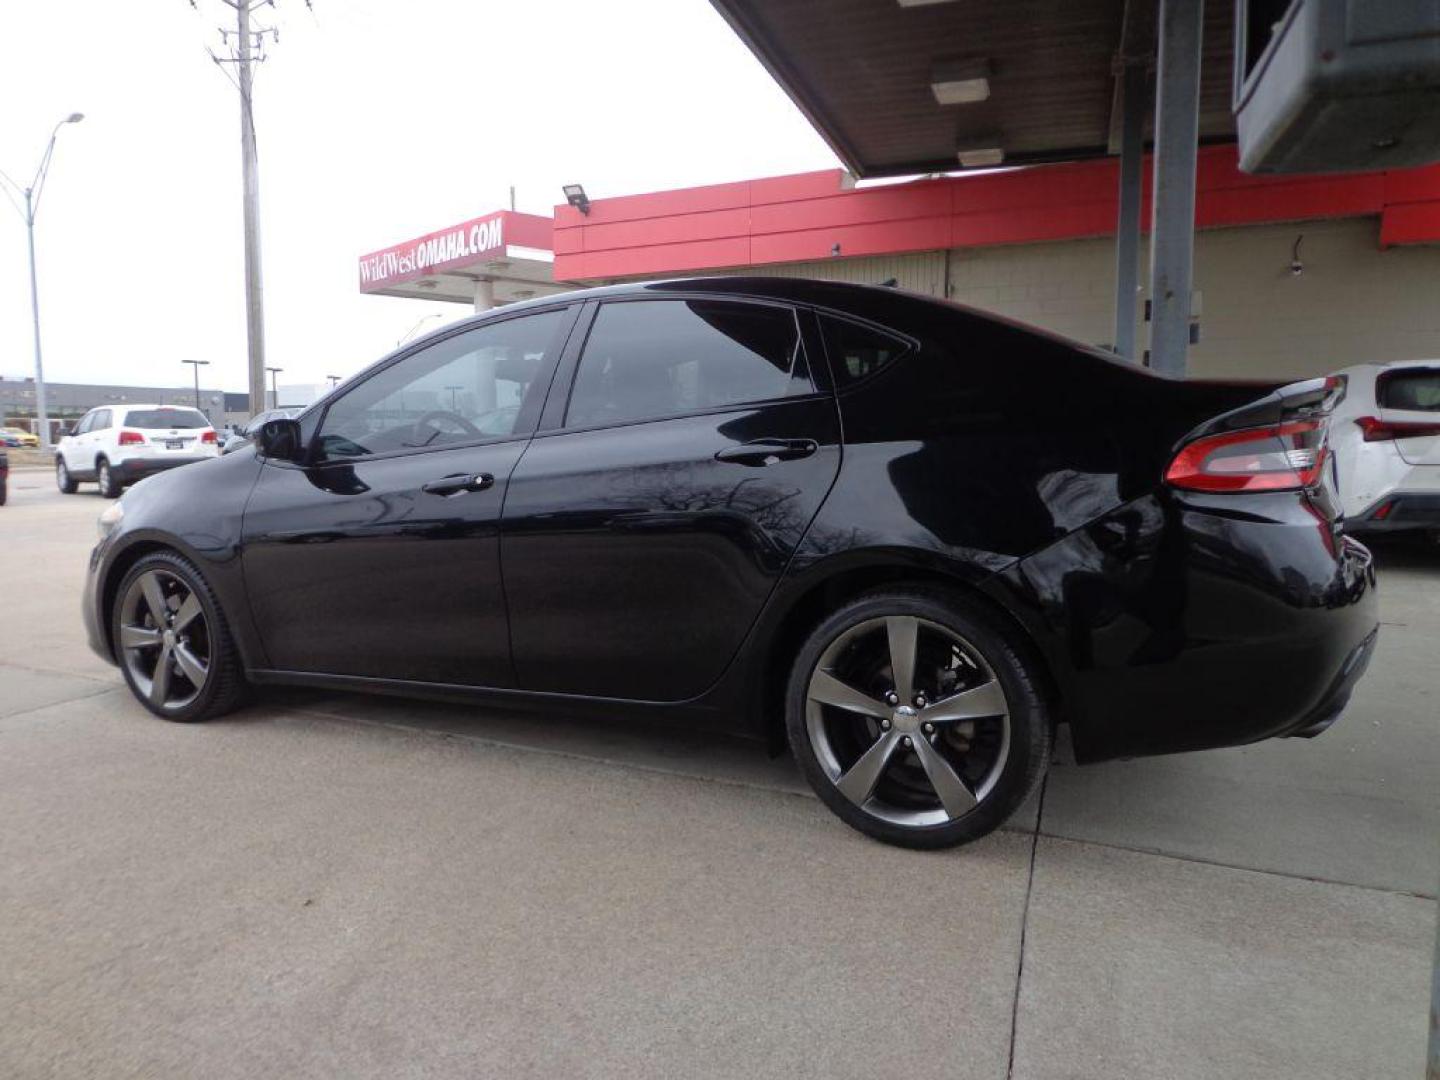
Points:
x=4, y=489
x=1010, y=753
x=63, y=480
x=105, y=477
x=224, y=688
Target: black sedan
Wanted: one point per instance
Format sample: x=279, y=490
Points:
x=904, y=537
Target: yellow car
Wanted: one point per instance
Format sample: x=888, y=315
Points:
x=14, y=436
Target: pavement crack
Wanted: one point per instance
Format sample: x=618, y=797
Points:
x=1024, y=926
x=1221, y=865
x=7, y=717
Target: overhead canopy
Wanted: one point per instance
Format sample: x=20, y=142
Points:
x=506, y=254
x=861, y=71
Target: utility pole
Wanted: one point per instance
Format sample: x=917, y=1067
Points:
x=197, y=365
x=274, y=393
x=247, y=51
x=254, y=296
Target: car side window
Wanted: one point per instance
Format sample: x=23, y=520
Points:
x=100, y=420
x=85, y=421
x=647, y=359
x=857, y=351
x=466, y=388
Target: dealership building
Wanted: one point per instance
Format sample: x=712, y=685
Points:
x=1294, y=275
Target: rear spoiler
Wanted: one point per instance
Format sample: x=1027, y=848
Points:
x=1308, y=400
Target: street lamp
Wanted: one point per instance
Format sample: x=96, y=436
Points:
x=453, y=389
x=334, y=381
x=274, y=393
x=197, y=365
x=423, y=320
x=32, y=207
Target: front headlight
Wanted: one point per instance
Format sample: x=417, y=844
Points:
x=110, y=518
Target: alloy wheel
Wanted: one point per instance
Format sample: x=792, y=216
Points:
x=165, y=640
x=908, y=721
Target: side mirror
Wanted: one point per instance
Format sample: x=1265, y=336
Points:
x=279, y=439
x=73, y=429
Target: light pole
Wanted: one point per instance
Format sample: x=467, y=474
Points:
x=197, y=365
x=452, y=390
x=334, y=381
x=274, y=393
x=423, y=320
x=32, y=207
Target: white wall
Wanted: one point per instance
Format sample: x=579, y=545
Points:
x=1353, y=303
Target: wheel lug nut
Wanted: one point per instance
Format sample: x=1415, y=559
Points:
x=929, y=729
x=892, y=698
x=884, y=725
x=905, y=741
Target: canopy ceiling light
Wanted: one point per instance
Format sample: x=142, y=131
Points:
x=981, y=152
x=960, y=82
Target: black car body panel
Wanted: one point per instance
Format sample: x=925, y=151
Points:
x=630, y=563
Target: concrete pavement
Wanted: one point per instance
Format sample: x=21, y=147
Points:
x=330, y=885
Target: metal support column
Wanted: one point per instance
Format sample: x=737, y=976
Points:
x=1127, y=226
x=1172, y=225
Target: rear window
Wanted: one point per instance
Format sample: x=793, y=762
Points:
x=166, y=418
x=857, y=352
x=1417, y=390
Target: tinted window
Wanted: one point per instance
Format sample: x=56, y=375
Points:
x=463, y=389
x=164, y=418
x=858, y=351
x=1417, y=390
x=654, y=358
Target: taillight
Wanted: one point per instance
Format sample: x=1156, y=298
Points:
x=1377, y=430
x=1276, y=458
x=131, y=438
x=207, y=437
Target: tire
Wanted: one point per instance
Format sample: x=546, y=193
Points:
x=105, y=477
x=980, y=720
x=63, y=480
x=193, y=639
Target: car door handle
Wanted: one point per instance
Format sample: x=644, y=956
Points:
x=459, y=483
x=768, y=451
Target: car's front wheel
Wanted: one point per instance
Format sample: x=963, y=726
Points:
x=63, y=480
x=918, y=718
x=173, y=643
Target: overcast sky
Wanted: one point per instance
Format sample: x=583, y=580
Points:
x=378, y=120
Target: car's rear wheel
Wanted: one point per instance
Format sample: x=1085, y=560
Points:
x=918, y=718
x=63, y=480
x=105, y=477
x=173, y=643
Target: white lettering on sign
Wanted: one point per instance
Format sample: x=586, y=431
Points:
x=465, y=242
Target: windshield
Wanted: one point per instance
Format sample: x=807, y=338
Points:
x=166, y=418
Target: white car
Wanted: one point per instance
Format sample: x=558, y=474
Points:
x=1385, y=437
x=116, y=445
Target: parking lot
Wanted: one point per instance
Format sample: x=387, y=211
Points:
x=331, y=885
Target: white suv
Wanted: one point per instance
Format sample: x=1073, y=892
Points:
x=1385, y=437
x=116, y=445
